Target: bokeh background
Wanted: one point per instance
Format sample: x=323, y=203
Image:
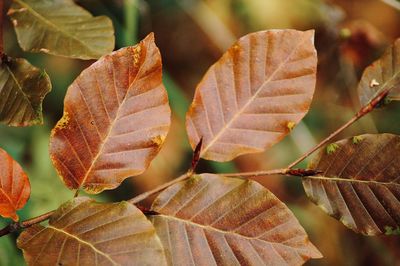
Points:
x=192, y=35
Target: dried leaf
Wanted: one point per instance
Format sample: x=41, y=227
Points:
x=83, y=232
x=383, y=74
x=116, y=117
x=360, y=184
x=22, y=89
x=246, y=100
x=213, y=220
x=14, y=186
x=61, y=28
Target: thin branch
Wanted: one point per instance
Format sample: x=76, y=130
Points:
x=16, y=226
x=362, y=112
x=159, y=188
x=283, y=171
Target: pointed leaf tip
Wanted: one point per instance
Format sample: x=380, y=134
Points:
x=246, y=99
x=116, y=118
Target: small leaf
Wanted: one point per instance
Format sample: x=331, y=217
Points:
x=116, y=117
x=14, y=186
x=22, y=89
x=254, y=95
x=61, y=27
x=214, y=220
x=360, y=184
x=383, y=74
x=83, y=232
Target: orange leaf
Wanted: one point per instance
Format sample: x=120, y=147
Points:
x=116, y=117
x=246, y=100
x=14, y=186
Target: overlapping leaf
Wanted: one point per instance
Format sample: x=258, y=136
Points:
x=22, y=89
x=213, y=220
x=116, y=117
x=254, y=95
x=383, y=74
x=360, y=183
x=14, y=186
x=83, y=232
x=61, y=27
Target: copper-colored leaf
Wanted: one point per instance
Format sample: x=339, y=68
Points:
x=83, y=232
x=247, y=101
x=61, y=27
x=214, y=220
x=22, y=89
x=116, y=117
x=14, y=186
x=383, y=74
x=360, y=184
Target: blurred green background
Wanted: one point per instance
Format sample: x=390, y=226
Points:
x=192, y=35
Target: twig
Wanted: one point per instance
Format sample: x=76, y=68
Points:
x=196, y=156
x=15, y=226
x=362, y=112
x=159, y=188
x=283, y=171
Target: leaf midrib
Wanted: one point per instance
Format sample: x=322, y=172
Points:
x=51, y=24
x=26, y=97
x=84, y=242
x=209, y=228
x=348, y=180
x=114, y=121
x=227, y=125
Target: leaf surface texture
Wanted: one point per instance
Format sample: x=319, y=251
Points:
x=213, y=220
x=116, y=117
x=22, y=90
x=360, y=183
x=61, y=27
x=14, y=186
x=254, y=94
x=83, y=232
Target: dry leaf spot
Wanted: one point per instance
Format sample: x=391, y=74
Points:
x=331, y=148
x=357, y=139
x=158, y=140
x=373, y=83
x=290, y=125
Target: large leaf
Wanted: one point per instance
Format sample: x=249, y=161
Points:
x=14, y=186
x=22, y=89
x=360, y=184
x=116, y=116
x=383, y=74
x=254, y=95
x=83, y=232
x=213, y=220
x=61, y=27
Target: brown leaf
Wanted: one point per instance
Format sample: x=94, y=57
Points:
x=83, y=232
x=383, y=74
x=14, y=186
x=360, y=184
x=22, y=89
x=116, y=117
x=214, y=220
x=247, y=100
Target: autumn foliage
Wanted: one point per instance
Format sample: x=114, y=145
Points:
x=117, y=117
